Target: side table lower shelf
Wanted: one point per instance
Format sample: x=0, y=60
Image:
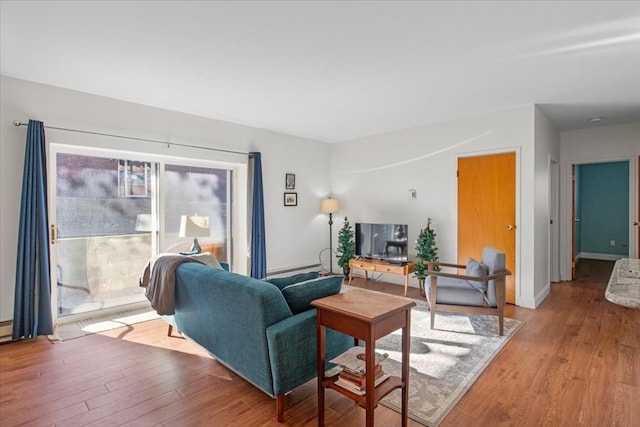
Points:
x=382, y=390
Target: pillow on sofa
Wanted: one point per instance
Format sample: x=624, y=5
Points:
x=299, y=295
x=282, y=282
x=476, y=269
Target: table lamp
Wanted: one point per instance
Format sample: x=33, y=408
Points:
x=194, y=226
x=143, y=222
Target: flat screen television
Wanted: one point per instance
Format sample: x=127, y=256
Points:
x=382, y=241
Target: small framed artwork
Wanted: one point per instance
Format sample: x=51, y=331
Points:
x=290, y=181
x=291, y=199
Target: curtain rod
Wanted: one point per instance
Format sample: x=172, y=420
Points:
x=167, y=143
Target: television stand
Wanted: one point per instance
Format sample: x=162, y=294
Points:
x=380, y=266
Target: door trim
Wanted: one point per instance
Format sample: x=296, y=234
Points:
x=554, y=219
x=566, y=220
x=518, y=220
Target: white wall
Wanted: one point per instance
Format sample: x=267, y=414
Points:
x=371, y=177
x=295, y=235
x=601, y=144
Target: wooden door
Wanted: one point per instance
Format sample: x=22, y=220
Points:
x=487, y=209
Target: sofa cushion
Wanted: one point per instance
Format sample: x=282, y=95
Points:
x=299, y=295
x=477, y=269
x=282, y=282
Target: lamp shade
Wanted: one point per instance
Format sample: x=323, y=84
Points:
x=329, y=205
x=194, y=226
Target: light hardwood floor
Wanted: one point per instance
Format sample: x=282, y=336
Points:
x=575, y=362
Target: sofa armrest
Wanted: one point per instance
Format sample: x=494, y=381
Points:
x=293, y=350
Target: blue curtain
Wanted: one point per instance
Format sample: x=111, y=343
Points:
x=32, y=307
x=258, y=244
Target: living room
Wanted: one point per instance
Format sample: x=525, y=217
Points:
x=370, y=174
x=361, y=171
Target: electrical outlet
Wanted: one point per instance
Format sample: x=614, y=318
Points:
x=613, y=243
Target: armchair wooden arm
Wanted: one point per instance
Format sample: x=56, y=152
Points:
x=498, y=275
x=432, y=264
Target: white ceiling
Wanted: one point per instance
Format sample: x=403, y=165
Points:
x=336, y=71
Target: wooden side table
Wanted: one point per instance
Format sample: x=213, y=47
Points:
x=366, y=316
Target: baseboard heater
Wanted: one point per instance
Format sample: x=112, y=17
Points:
x=294, y=270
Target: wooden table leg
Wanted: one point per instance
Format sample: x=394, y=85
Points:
x=370, y=362
x=320, y=336
x=406, y=283
x=406, y=348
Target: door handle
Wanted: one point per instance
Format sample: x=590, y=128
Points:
x=511, y=227
x=577, y=220
x=635, y=223
x=54, y=234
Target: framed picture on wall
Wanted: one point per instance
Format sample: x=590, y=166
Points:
x=291, y=199
x=290, y=181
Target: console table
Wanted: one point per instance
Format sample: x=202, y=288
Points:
x=365, y=316
x=380, y=266
x=624, y=283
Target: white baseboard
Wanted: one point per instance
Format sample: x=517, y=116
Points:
x=542, y=295
x=604, y=257
x=534, y=302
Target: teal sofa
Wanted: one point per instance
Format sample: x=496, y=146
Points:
x=247, y=324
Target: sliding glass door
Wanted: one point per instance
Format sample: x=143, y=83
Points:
x=112, y=213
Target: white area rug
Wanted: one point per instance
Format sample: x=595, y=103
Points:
x=445, y=361
x=67, y=331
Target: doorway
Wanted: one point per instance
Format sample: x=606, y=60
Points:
x=601, y=212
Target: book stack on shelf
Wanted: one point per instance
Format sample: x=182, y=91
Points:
x=352, y=366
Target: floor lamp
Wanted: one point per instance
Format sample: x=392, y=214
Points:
x=330, y=206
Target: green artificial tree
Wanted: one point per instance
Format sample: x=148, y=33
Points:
x=346, y=246
x=426, y=251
